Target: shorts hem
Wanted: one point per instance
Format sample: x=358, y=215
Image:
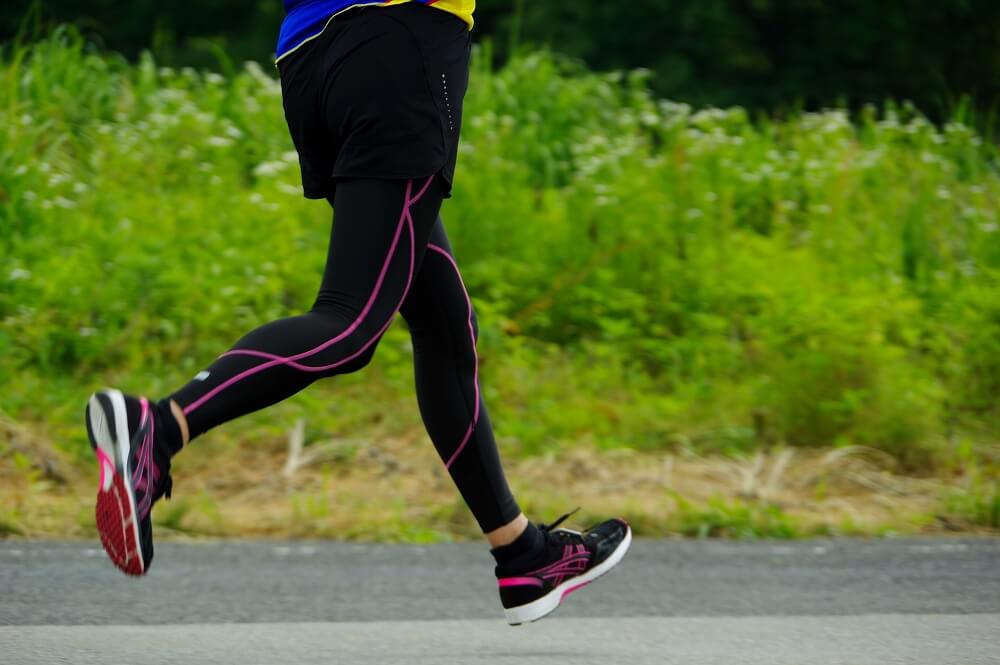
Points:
x=328, y=191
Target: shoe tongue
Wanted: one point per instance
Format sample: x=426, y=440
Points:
x=565, y=536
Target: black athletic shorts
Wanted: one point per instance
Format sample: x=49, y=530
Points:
x=378, y=95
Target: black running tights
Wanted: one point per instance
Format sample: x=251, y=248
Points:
x=388, y=252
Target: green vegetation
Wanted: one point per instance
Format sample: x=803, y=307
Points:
x=647, y=275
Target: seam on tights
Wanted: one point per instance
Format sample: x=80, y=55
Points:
x=475, y=356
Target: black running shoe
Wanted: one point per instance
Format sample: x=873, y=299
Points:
x=122, y=431
x=572, y=560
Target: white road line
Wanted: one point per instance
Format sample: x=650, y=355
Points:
x=891, y=639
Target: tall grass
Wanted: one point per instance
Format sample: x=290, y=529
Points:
x=647, y=274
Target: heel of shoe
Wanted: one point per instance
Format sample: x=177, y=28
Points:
x=534, y=610
x=100, y=419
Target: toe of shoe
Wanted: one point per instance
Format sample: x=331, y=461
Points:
x=607, y=536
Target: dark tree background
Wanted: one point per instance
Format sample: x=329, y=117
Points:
x=763, y=54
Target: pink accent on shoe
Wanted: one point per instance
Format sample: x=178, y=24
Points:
x=519, y=581
x=475, y=355
x=560, y=574
x=404, y=218
x=146, y=472
x=571, y=564
x=116, y=525
x=568, y=558
x=104, y=462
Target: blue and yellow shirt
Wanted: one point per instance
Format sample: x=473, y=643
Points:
x=306, y=19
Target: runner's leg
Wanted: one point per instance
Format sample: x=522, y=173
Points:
x=380, y=230
x=442, y=326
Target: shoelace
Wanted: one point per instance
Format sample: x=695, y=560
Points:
x=547, y=528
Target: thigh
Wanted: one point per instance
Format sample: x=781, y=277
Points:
x=380, y=231
x=438, y=302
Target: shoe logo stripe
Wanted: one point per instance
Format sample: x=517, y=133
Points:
x=519, y=581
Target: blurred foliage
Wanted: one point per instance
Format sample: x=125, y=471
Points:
x=777, y=53
x=761, y=54
x=647, y=275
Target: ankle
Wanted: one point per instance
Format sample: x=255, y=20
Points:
x=522, y=551
x=172, y=431
x=178, y=413
x=509, y=532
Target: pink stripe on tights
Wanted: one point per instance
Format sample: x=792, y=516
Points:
x=404, y=218
x=475, y=355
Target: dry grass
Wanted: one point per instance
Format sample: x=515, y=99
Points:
x=397, y=490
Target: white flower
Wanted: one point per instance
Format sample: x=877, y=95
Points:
x=268, y=169
x=649, y=118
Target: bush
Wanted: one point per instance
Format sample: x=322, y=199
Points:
x=645, y=273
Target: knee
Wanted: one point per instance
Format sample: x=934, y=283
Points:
x=363, y=340
x=351, y=351
x=361, y=358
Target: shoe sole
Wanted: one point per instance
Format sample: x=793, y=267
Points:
x=548, y=603
x=107, y=427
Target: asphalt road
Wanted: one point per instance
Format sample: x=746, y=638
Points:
x=851, y=602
